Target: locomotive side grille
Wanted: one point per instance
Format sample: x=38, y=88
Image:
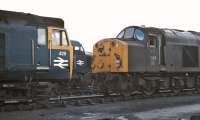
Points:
x=2, y=51
x=190, y=56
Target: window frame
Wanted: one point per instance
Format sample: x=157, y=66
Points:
x=60, y=31
x=66, y=38
x=121, y=34
x=136, y=35
x=46, y=37
x=125, y=32
x=53, y=32
x=155, y=41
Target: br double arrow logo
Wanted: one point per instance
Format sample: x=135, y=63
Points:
x=61, y=63
x=80, y=62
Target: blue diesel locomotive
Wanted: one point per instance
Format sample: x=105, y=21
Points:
x=35, y=51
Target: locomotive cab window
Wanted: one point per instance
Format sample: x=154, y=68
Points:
x=129, y=32
x=41, y=36
x=132, y=33
x=139, y=35
x=152, y=41
x=64, y=39
x=78, y=48
x=56, y=38
x=59, y=38
x=120, y=35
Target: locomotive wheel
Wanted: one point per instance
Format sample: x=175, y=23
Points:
x=102, y=88
x=105, y=87
x=87, y=81
x=113, y=83
x=125, y=86
x=101, y=84
x=119, y=84
x=54, y=92
x=149, y=87
x=176, y=86
x=53, y=89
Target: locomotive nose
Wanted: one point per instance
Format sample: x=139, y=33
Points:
x=110, y=55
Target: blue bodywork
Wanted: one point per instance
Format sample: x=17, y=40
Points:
x=28, y=50
x=82, y=60
x=18, y=44
x=21, y=55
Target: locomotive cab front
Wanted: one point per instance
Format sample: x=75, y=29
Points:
x=82, y=60
x=116, y=61
x=60, y=57
x=135, y=49
x=155, y=59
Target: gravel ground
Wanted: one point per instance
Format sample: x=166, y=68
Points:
x=165, y=108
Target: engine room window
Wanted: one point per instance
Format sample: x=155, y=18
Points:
x=139, y=34
x=152, y=41
x=129, y=33
x=64, y=38
x=41, y=36
x=56, y=37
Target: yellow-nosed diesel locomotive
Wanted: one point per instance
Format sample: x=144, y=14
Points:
x=147, y=60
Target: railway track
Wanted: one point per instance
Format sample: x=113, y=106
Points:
x=18, y=104
x=80, y=100
x=101, y=99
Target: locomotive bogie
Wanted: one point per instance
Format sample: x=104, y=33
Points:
x=147, y=84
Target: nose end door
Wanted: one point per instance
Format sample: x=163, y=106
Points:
x=60, y=52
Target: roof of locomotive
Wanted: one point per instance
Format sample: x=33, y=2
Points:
x=27, y=19
x=173, y=34
x=175, y=31
x=180, y=35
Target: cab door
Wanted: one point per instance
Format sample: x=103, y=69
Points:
x=154, y=51
x=42, y=56
x=61, y=54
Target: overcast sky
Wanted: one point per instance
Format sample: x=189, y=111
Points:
x=91, y=20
